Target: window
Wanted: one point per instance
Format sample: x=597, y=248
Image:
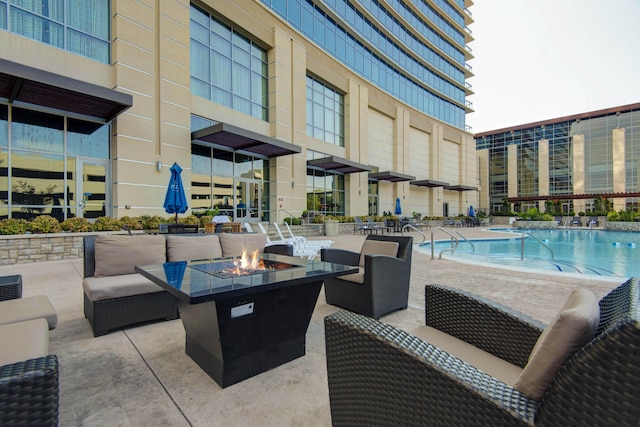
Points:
x=325, y=112
x=38, y=174
x=79, y=26
x=227, y=67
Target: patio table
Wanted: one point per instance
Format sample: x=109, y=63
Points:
x=239, y=326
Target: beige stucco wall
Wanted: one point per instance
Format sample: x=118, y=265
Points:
x=150, y=61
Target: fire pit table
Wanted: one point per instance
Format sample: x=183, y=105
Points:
x=243, y=320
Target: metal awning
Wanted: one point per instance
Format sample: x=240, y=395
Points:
x=237, y=139
x=338, y=164
x=24, y=85
x=391, y=176
x=429, y=183
x=460, y=188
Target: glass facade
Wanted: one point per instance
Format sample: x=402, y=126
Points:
x=52, y=165
x=226, y=67
x=409, y=69
x=597, y=131
x=79, y=26
x=325, y=112
x=236, y=184
x=325, y=190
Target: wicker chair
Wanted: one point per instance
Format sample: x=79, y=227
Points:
x=29, y=392
x=384, y=285
x=380, y=375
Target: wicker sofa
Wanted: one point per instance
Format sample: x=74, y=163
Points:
x=115, y=296
x=380, y=375
x=29, y=388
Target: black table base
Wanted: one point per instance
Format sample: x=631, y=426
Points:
x=231, y=347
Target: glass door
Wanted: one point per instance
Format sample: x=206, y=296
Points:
x=248, y=200
x=91, y=197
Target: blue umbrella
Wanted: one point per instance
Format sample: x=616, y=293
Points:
x=398, y=208
x=175, y=201
x=471, y=212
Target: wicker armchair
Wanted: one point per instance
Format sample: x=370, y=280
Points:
x=383, y=285
x=29, y=392
x=380, y=375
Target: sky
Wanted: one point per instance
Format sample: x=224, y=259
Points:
x=542, y=59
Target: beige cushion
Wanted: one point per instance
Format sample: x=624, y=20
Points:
x=190, y=248
x=480, y=359
x=24, y=340
x=119, y=254
x=377, y=247
x=233, y=243
x=123, y=285
x=35, y=307
x=573, y=327
x=355, y=277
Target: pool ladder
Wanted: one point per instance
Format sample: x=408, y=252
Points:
x=525, y=234
x=454, y=242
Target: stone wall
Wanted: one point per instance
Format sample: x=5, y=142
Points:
x=622, y=226
x=27, y=248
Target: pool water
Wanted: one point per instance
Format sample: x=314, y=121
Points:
x=596, y=252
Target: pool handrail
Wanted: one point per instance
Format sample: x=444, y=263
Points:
x=526, y=233
x=453, y=239
x=473, y=247
x=424, y=237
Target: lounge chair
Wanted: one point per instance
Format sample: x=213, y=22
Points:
x=300, y=247
x=360, y=226
x=381, y=375
x=374, y=227
x=576, y=221
x=322, y=243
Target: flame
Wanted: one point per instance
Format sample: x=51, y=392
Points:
x=245, y=263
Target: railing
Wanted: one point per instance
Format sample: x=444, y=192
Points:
x=526, y=233
x=473, y=248
x=454, y=242
x=424, y=237
x=304, y=233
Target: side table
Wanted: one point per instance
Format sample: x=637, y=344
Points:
x=10, y=287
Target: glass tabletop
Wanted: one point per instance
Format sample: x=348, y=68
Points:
x=206, y=280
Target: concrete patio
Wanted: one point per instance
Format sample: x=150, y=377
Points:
x=141, y=376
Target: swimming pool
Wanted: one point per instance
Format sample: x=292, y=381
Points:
x=595, y=252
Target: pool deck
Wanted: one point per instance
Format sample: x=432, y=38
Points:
x=141, y=376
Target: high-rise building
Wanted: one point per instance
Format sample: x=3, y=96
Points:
x=579, y=163
x=271, y=108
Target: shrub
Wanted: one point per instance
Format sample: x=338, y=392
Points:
x=44, y=224
x=293, y=221
x=204, y=219
x=11, y=226
x=105, y=223
x=76, y=224
x=152, y=222
x=134, y=223
x=190, y=220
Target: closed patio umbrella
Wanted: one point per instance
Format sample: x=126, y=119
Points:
x=175, y=201
x=471, y=211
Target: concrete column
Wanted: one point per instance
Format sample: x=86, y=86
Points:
x=287, y=120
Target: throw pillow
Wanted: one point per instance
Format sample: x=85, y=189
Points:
x=119, y=254
x=573, y=327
